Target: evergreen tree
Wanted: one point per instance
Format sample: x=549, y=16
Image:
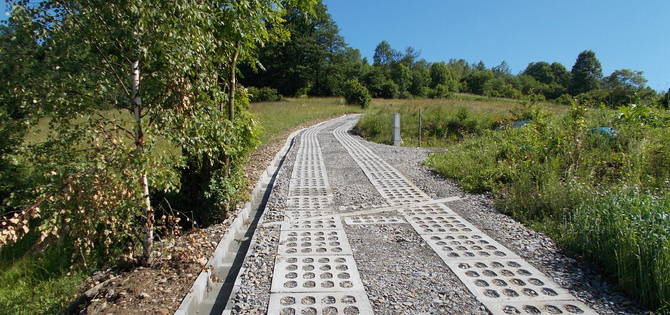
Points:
x=586, y=73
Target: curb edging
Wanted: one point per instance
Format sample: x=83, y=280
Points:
x=203, y=284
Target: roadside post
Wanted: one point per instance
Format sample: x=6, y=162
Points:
x=396, y=129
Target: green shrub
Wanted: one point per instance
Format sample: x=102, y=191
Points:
x=441, y=91
x=389, y=90
x=264, y=94
x=499, y=88
x=565, y=99
x=593, y=98
x=405, y=95
x=213, y=185
x=356, y=94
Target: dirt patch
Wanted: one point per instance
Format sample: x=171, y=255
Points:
x=160, y=287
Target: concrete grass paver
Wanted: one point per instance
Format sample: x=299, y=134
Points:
x=398, y=189
x=354, y=235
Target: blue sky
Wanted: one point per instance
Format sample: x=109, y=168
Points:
x=624, y=34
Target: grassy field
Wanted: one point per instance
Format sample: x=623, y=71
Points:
x=275, y=118
x=596, y=180
x=36, y=284
x=476, y=103
x=442, y=122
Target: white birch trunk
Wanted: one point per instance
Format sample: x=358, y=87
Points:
x=144, y=182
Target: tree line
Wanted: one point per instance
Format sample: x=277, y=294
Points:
x=317, y=61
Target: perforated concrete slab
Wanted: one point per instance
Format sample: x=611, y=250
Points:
x=319, y=303
x=328, y=242
x=309, y=174
x=540, y=307
x=507, y=280
x=434, y=224
x=307, y=182
x=372, y=219
x=305, y=214
x=309, y=202
x=456, y=247
x=435, y=209
x=308, y=191
x=315, y=274
x=333, y=223
x=407, y=191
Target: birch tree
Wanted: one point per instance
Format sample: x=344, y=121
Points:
x=133, y=89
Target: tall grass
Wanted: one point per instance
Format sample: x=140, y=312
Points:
x=439, y=122
x=603, y=195
x=36, y=284
x=275, y=118
x=628, y=233
x=430, y=126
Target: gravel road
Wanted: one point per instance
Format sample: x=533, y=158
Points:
x=400, y=272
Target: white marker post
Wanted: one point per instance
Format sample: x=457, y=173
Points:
x=396, y=129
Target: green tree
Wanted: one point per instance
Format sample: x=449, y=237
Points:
x=389, y=90
x=625, y=87
x=475, y=81
x=409, y=57
x=625, y=79
x=460, y=67
x=374, y=80
x=402, y=76
x=420, y=81
x=441, y=74
x=20, y=69
x=308, y=60
x=586, y=73
x=385, y=55
x=502, y=70
x=665, y=100
x=498, y=87
x=345, y=65
x=97, y=171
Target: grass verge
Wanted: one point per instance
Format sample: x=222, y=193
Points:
x=277, y=117
x=596, y=181
x=36, y=284
x=440, y=122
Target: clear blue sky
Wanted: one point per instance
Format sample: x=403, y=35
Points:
x=623, y=33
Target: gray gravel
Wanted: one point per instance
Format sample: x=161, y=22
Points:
x=401, y=274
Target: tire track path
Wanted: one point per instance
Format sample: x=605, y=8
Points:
x=496, y=276
x=314, y=270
